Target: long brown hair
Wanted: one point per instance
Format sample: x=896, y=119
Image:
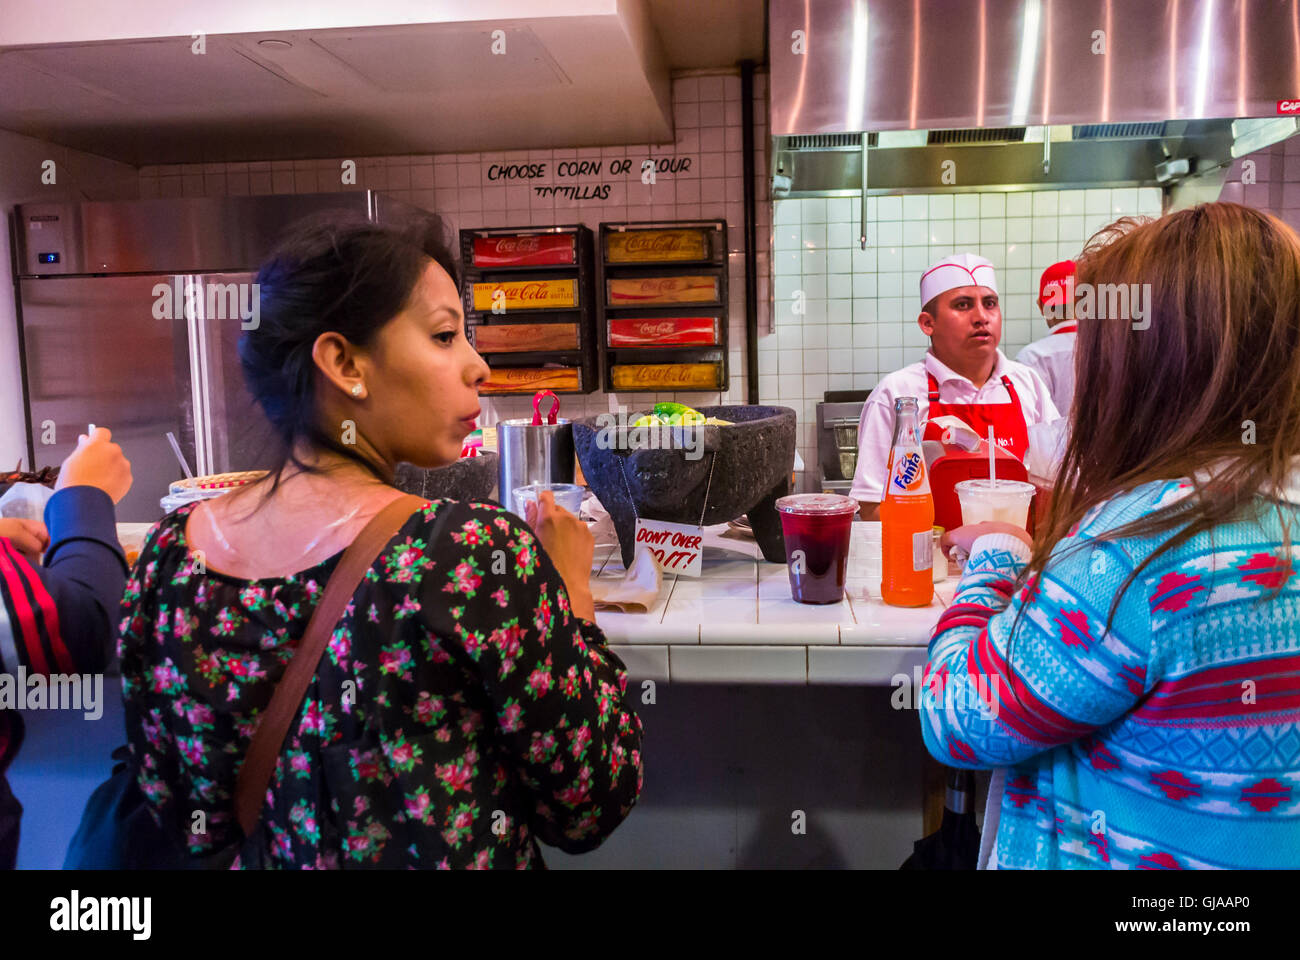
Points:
x=1213, y=380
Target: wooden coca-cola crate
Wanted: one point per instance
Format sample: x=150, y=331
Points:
x=661, y=377
x=529, y=295
x=662, y=306
x=651, y=332
x=662, y=291
x=506, y=251
x=531, y=379
x=526, y=337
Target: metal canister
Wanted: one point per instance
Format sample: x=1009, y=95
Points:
x=532, y=453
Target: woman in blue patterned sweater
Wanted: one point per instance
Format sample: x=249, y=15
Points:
x=1132, y=674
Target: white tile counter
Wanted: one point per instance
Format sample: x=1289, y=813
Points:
x=738, y=624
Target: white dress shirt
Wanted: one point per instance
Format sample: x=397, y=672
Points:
x=1053, y=359
x=876, y=429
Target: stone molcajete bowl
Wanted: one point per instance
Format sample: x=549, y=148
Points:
x=469, y=478
x=666, y=475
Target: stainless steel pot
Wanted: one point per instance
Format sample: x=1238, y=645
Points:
x=532, y=454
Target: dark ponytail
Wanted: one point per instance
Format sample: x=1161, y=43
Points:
x=328, y=274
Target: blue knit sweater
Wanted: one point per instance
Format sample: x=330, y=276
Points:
x=1171, y=742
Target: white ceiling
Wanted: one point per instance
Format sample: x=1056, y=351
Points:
x=575, y=80
x=698, y=34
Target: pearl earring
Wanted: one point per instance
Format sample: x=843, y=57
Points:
x=357, y=389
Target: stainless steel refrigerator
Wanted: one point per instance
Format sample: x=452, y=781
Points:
x=129, y=317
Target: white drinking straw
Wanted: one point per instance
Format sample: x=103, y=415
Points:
x=993, y=476
x=176, y=449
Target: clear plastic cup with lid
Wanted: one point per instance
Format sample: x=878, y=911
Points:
x=817, y=527
x=1006, y=501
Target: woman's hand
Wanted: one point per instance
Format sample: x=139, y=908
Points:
x=29, y=536
x=570, y=545
x=97, y=462
x=964, y=537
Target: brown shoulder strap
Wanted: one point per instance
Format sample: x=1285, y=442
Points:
x=259, y=762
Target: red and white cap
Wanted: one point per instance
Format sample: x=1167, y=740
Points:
x=1056, y=286
x=960, y=270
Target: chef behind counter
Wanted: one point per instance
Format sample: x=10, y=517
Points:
x=964, y=374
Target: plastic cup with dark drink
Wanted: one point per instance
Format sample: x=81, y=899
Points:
x=817, y=527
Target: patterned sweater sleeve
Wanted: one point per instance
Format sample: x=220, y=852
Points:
x=560, y=696
x=986, y=703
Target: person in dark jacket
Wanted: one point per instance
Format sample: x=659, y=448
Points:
x=58, y=617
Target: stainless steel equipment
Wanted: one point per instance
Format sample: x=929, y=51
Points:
x=129, y=317
x=844, y=66
x=532, y=454
x=837, y=444
x=1012, y=158
x=888, y=96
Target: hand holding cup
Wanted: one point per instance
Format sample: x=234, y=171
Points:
x=97, y=462
x=957, y=542
x=569, y=544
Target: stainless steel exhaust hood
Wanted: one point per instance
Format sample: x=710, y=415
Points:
x=1024, y=94
x=1016, y=158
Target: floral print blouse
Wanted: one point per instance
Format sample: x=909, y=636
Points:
x=461, y=713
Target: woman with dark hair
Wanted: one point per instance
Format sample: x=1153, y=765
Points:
x=467, y=705
x=1132, y=673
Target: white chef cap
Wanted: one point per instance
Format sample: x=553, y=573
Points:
x=960, y=270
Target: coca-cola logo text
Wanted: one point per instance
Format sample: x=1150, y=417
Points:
x=670, y=374
x=539, y=290
x=661, y=243
x=517, y=245
x=651, y=328
x=670, y=284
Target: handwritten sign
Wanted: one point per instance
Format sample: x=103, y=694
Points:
x=676, y=547
x=649, y=169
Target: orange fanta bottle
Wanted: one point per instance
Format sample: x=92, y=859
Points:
x=907, y=516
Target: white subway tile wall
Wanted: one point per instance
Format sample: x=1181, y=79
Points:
x=1271, y=181
x=844, y=316
x=707, y=114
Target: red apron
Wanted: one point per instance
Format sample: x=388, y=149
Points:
x=1067, y=328
x=1006, y=419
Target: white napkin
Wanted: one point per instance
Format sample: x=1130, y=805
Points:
x=637, y=591
x=958, y=432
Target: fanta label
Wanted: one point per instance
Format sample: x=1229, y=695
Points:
x=909, y=474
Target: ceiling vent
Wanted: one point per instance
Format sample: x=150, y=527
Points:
x=983, y=135
x=1119, y=131
x=825, y=141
